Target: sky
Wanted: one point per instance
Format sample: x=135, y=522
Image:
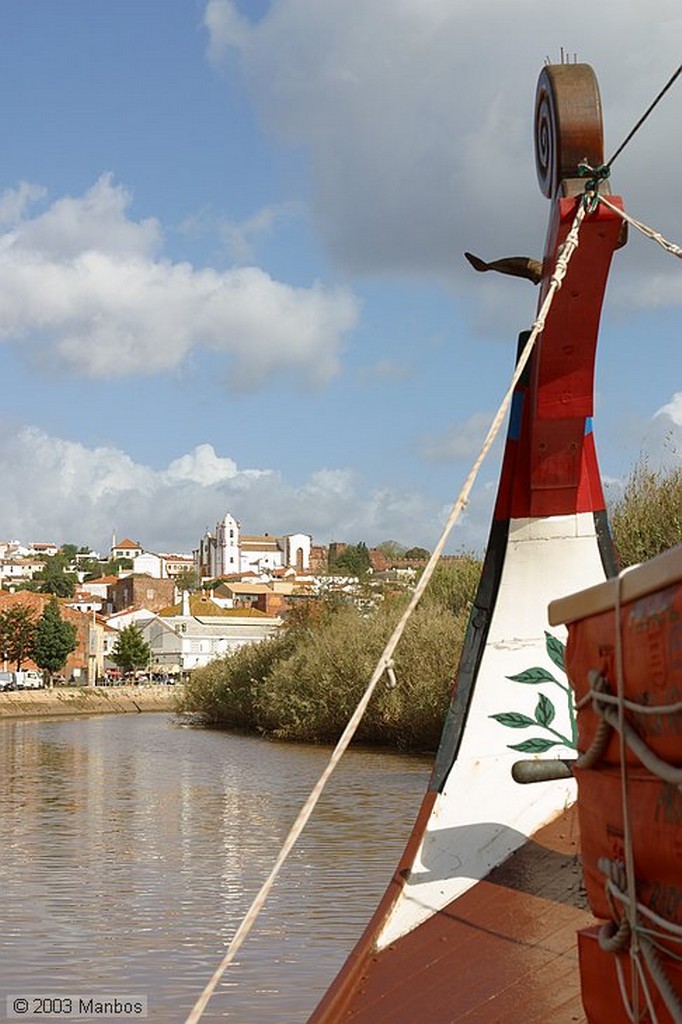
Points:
x=231, y=259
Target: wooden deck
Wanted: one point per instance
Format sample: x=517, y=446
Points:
x=503, y=953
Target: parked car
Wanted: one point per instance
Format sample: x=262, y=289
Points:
x=7, y=681
x=28, y=680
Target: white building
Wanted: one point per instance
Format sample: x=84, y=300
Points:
x=228, y=552
x=162, y=566
x=196, y=631
x=13, y=570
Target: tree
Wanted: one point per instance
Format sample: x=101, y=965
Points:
x=187, y=580
x=392, y=550
x=54, y=640
x=53, y=578
x=354, y=560
x=131, y=651
x=114, y=565
x=418, y=554
x=17, y=633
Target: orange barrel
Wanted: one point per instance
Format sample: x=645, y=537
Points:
x=651, y=631
x=650, y=597
x=656, y=824
x=600, y=990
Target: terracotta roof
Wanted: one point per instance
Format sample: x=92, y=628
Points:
x=127, y=543
x=203, y=608
x=198, y=605
x=247, y=588
x=37, y=602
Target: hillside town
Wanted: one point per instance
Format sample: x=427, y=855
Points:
x=233, y=589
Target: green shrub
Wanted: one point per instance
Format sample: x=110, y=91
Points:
x=312, y=694
x=305, y=684
x=225, y=691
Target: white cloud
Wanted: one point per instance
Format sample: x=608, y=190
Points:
x=417, y=117
x=84, y=283
x=673, y=409
x=203, y=466
x=240, y=238
x=460, y=441
x=66, y=492
x=665, y=434
x=15, y=201
x=227, y=28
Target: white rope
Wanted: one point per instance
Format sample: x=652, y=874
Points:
x=656, y=236
x=602, y=697
x=385, y=661
x=649, y=947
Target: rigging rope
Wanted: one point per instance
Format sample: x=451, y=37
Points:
x=649, y=232
x=385, y=661
x=645, y=115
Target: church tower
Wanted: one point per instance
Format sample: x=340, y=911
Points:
x=227, y=547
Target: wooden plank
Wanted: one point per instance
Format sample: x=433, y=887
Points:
x=503, y=952
x=663, y=571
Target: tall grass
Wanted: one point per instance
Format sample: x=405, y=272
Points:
x=648, y=518
x=305, y=684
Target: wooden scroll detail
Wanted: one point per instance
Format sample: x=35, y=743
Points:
x=568, y=124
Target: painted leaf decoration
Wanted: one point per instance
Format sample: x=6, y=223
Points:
x=544, y=712
x=514, y=720
x=555, y=650
x=534, y=676
x=534, y=746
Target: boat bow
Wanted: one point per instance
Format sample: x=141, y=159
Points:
x=549, y=536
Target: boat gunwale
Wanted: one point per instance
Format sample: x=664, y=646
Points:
x=635, y=582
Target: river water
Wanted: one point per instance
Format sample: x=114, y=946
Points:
x=131, y=846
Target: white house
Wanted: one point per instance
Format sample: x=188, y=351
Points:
x=150, y=564
x=14, y=569
x=196, y=631
x=161, y=566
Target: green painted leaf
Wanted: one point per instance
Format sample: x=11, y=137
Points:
x=534, y=746
x=556, y=650
x=534, y=676
x=514, y=720
x=544, y=712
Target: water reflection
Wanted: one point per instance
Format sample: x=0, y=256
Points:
x=132, y=846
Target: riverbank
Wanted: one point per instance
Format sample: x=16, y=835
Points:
x=87, y=700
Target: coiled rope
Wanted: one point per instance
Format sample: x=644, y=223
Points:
x=615, y=938
x=385, y=662
x=611, y=719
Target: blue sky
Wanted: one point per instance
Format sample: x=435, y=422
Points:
x=231, y=239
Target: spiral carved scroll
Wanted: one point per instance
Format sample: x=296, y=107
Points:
x=568, y=124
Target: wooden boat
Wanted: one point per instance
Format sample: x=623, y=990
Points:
x=480, y=920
